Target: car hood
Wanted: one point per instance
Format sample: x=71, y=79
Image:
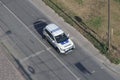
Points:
x=65, y=44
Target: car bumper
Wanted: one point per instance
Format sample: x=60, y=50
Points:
x=68, y=50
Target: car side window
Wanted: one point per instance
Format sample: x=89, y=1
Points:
x=49, y=34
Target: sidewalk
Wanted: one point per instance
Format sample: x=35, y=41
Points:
x=7, y=69
x=83, y=42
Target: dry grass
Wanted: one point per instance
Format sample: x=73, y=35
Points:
x=89, y=11
x=115, y=24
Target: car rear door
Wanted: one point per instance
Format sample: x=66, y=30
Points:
x=50, y=38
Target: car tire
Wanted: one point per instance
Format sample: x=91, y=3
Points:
x=43, y=36
x=58, y=50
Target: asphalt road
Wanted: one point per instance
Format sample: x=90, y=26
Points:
x=36, y=55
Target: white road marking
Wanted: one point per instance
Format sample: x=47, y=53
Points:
x=64, y=65
x=48, y=48
x=33, y=55
x=93, y=71
x=77, y=78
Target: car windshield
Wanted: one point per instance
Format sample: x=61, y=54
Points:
x=61, y=38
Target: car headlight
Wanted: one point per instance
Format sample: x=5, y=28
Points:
x=62, y=49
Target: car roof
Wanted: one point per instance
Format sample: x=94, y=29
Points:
x=54, y=29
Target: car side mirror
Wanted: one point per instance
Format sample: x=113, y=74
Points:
x=68, y=35
x=53, y=41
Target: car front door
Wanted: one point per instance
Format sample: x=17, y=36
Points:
x=50, y=38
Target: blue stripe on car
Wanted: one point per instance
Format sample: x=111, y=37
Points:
x=64, y=42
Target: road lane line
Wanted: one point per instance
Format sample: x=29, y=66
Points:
x=33, y=55
x=64, y=65
x=77, y=78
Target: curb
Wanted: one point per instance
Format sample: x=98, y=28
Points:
x=109, y=66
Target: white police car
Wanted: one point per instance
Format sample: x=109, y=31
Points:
x=58, y=38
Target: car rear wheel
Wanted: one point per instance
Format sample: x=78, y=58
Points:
x=43, y=36
x=57, y=49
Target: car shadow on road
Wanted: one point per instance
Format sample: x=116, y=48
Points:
x=39, y=26
x=82, y=68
